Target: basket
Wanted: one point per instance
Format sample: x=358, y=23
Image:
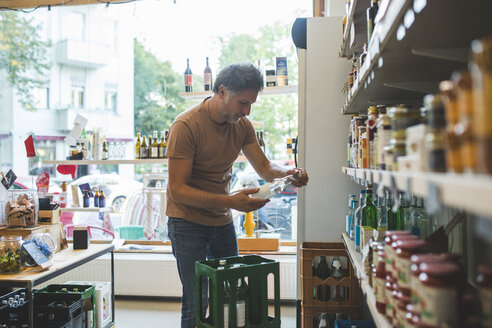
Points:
x=131, y=232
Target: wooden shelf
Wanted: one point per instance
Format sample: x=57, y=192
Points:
x=84, y=209
x=266, y=91
x=356, y=259
x=468, y=192
x=241, y=158
x=415, y=46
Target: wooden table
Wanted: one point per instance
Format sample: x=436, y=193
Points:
x=63, y=261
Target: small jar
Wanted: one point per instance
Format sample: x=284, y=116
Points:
x=10, y=254
x=436, y=153
x=453, y=142
x=43, y=241
x=22, y=208
x=388, y=299
x=402, y=301
x=399, y=149
x=379, y=283
x=405, y=249
x=481, y=72
x=484, y=284
x=440, y=291
x=392, y=254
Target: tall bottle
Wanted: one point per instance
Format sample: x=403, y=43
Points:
x=271, y=189
x=390, y=215
x=371, y=16
x=241, y=303
x=358, y=218
x=323, y=323
x=144, y=150
x=188, y=75
x=155, y=146
x=137, y=147
x=409, y=216
x=207, y=77
x=96, y=198
x=323, y=271
x=369, y=211
x=348, y=214
x=382, y=213
x=227, y=293
x=162, y=148
x=422, y=220
x=150, y=147
x=102, y=199
x=400, y=213
x=166, y=136
x=336, y=268
x=86, y=198
x=355, y=205
x=105, y=153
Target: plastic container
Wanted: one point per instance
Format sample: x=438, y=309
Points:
x=44, y=242
x=22, y=207
x=133, y=232
x=103, y=302
x=10, y=254
x=15, y=312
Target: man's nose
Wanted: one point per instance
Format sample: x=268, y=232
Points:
x=247, y=110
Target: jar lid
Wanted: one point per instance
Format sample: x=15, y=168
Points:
x=396, y=232
x=423, y=258
x=411, y=243
x=485, y=269
x=482, y=52
x=462, y=79
x=448, y=89
x=11, y=238
x=443, y=269
x=452, y=257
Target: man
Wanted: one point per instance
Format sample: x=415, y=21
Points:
x=203, y=144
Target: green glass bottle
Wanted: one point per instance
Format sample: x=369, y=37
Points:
x=400, y=214
x=390, y=215
x=369, y=211
x=323, y=270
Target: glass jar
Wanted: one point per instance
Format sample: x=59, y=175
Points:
x=10, y=254
x=21, y=209
x=379, y=283
x=392, y=270
x=453, y=142
x=484, y=284
x=440, y=291
x=481, y=72
x=43, y=241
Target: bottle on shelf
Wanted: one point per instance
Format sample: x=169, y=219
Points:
x=348, y=213
x=137, y=146
x=372, y=131
x=96, y=198
x=358, y=218
x=166, y=137
x=105, y=153
x=390, y=215
x=86, y=198
x=102, y=199
x=162, y=148
x=400, y=213
x=144, y=150
x=369, y=214
x=382, y=213
x=371, y=16
x=409, y=216
x=150, y=146
x=207, y=77
x=155, y=146
x=355, y=205
x=423, y=222
x=188, y=75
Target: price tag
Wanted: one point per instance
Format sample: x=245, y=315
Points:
x=433, y=201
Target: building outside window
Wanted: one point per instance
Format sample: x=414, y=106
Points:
x=76, y=22
x=77, y=96
x=110, y=34
x=41, y=98
x=111, y=100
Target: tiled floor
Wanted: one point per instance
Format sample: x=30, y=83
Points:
x=149, y=313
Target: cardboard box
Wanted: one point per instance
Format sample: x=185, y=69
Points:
x=49, y=217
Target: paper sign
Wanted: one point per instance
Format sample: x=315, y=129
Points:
x=43, y=179
x=30, y=147
x=67, y=169
x=86, y=187
x=36, y=254
x=80, y=123
x=8, y=179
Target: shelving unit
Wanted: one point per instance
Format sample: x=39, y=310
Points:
x=356, y=259
x=356, y=17
x=84, y=209
x=266, y=91
x=241, y=158
x=415, y=45
x=468, y=192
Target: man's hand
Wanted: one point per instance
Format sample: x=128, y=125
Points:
x=242, y=202
x=300, y=175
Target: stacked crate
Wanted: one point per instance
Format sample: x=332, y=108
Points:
x=311, y=304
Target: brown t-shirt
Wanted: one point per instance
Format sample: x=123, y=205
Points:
x=213, y=148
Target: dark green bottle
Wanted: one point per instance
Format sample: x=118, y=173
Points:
x=369, y=211
x=400, y=214
x=390, y=215
x=323, y=271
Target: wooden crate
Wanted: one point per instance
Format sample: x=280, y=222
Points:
x=349, y=283
x=55, y=230
x=49, y=217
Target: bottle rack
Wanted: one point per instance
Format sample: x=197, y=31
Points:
x=310, y=306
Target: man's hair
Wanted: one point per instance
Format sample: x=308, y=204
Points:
x=239, y=77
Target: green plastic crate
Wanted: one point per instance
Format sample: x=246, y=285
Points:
x=253, y=267
x=69, y=292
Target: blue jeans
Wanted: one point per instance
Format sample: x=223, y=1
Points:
x=193, y=242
